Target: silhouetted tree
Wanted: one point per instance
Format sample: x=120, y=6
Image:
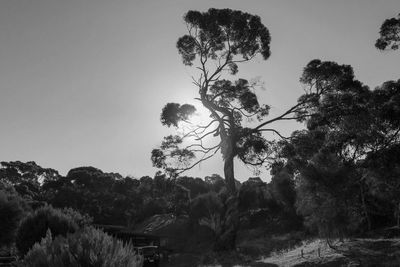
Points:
x=27, y=177
x=91, y=178
x=224, y=37
x=328, y=196
x=196, y=186
x=349, y=122
x=16, y=171
x=382, y=170
x=107, y=197
x=217, y=41
x=215, y=181
x=252, y=194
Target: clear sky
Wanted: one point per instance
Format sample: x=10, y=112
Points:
x=83, y=82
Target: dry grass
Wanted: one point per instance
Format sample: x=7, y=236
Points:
x=356, y=252
x=310, y=251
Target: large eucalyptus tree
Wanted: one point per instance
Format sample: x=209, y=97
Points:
x=217, y=41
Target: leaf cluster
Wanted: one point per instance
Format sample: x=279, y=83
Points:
x=173, y=113
x=389, y=34
x=239, y=98
x=223, y=31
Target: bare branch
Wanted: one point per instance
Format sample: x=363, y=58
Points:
x=198, y=162
x=288, y=112
x=199, y=128
x=261, y=161
x=207, y=149
x=276, y=132
x=211, y=132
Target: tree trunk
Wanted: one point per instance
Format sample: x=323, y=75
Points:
x=365, y=209
x=229, y=175
x=226, y=240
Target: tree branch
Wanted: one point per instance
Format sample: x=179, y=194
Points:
x=198, y=162
x=275, y=131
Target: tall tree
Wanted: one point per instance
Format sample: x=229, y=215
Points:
x=384, y=179
x=216, y=43
x=351, y=123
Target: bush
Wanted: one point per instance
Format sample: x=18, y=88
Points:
x=34, y=227
x=209, y=210
x=10, y=214
x=87, y=247
x=80, y=219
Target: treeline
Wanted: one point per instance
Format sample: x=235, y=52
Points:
x=35, y=233
x=112, y=199
x=337, y=177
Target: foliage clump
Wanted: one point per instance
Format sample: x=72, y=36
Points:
x=34, y=227
x=389, y=34
x=80, y=219
x=10, y=213
x=87, y=247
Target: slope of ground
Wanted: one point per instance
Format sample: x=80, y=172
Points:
x=355, y=252
x=191, y=245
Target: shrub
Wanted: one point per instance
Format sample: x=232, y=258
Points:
x=208, y=210
x=80, y=219
x=10, y=214
x=87, y=247
x=34, y=227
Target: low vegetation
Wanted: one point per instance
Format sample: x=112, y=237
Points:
x=34, y=227
x=87, y=247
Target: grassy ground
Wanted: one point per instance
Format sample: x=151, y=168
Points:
x=316, y=251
